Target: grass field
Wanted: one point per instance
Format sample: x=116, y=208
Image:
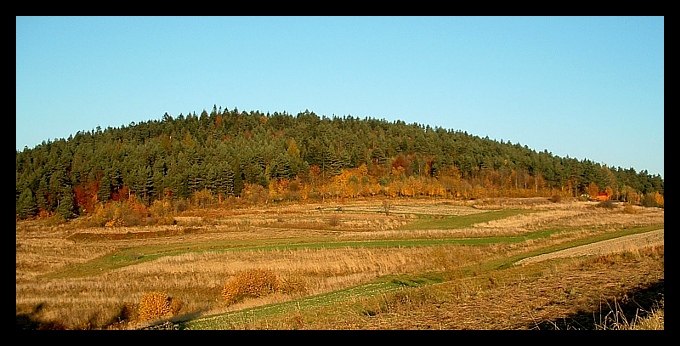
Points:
x=422, y=264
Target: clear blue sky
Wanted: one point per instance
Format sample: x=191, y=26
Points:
x=584, y=87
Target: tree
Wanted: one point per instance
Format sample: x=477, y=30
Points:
x=67, y=204
x=104, y=193
x=26, y=205
x=593, y=190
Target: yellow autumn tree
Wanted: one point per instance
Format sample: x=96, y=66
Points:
x=593, y=190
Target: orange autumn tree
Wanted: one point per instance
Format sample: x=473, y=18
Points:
x=85, y=195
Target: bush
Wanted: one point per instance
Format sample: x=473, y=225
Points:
x=652, y=200
x=161, y=209
x=250, y=284
x=157, y=305
x=125, y=213
x=180, y=205
x=629, y=209
x=334, y=220
x=606, y=204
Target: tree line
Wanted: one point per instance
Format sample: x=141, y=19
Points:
x=227, y=155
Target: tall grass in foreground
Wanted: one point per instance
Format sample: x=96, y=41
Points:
x=615, y=319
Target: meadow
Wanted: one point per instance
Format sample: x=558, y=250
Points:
x=360, y=264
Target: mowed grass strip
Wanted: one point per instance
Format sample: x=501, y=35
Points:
x=427, y=222
x=131, y=256
x=140, y=254
x=378, y=286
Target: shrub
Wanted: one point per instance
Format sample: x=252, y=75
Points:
x=334, y=220
x=125, y=213
x=652, y=200
x=161, y=213
x=629, y=209
x=55, y=220
x=555, y=198
x=203, y=198
x=250, y=284
x=606, y=204
x=161, y=208
x=180, y=205
x=157, y=305
x=386, y=206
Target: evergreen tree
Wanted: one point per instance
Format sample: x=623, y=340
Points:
x=66, y=207
x=104, y=192
x=26, y=205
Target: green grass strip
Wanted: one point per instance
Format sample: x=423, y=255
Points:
x=426, y=222
x=379, y=286
x=136, y=255
x=131, y=256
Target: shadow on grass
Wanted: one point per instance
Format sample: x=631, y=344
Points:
x=32, y=321
x=29, y=321
x=612, y=314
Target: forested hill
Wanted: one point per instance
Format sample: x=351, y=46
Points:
x=231, y=155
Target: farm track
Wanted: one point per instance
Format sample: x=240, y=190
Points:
x=609, y=246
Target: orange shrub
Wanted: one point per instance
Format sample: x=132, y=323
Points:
x=156, y=305
x=250, y=283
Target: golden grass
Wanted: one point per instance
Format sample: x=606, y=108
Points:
x=549, y=295
x=197, y=278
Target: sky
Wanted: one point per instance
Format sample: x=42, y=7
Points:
x=590, y=88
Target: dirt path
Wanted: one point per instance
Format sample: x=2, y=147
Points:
x=620, y=244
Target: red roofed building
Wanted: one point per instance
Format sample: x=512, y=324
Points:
x=602, y=196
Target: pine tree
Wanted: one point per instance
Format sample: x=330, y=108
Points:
x=66, y=206
x=26, y=205
x=104, y=193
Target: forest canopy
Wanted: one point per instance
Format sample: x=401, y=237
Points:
x=231, y=155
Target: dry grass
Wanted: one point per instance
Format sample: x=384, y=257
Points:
x=570, y=294
x=252, y=283
x=197, y=278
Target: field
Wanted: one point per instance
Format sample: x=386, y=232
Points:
x=367, y=264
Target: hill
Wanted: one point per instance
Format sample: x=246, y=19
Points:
x=232, y=156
